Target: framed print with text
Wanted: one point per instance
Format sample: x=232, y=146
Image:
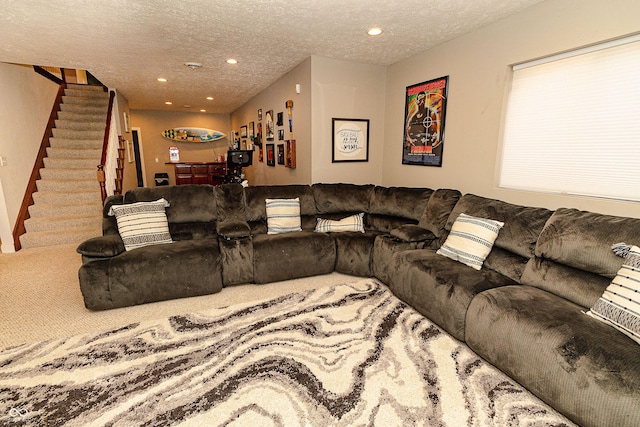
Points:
x=424, y=119
x=350, y=140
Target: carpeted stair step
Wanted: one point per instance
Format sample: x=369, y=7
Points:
x=86, y=92
x=51, y=238
x=79, y=209
x=98, y=101
x=66, y=173
x=75, y=143
x=81, y=116
x=67, y=197
x=68, y=185
x=71, y=153
x=81, y=124
x=59, y=223
x=78, y=108
x=77, y=134
x=50, y=162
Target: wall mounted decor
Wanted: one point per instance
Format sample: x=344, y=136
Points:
x=281, y=154
x=126, y=120
x=271, y=155
x=280, y=120
x=290, y=154
x=259, y=114
x=251, y=131
x=186, y=134
x=424, y=119
x=269, y=125
x=280, y=134
x=350, y=140
x=243, y=131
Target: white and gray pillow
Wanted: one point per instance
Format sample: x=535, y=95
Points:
x=142, y=223
x=350, y=223
x=283, y=215
x=471, y=240
x=619, y=305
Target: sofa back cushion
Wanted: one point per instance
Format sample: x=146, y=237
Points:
x=574, y=259
x=341, y=199
x=439, y=207
x=391, y=207
x=517, y=239
x=188, y=203
x=109, y=224
x=256, y=196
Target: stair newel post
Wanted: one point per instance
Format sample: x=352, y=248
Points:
x=101, y=180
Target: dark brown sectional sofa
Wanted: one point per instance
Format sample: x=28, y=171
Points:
x=524, y=311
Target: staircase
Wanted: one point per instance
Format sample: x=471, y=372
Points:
x=67, y=205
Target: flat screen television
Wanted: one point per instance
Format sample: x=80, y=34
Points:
x=239, y=158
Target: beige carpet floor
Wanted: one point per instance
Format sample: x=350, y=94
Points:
x=40, y=297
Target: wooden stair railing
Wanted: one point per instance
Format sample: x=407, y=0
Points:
x=23, y=214
x=101, y=173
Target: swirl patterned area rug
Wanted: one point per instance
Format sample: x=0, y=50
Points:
x=340, y=356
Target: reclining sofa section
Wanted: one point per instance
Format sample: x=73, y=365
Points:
x=523, y=311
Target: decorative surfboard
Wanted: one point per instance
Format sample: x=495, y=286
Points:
x=192, y=134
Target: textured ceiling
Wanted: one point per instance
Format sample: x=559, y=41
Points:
x=128, y=44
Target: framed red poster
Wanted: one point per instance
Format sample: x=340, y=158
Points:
x=424, y=119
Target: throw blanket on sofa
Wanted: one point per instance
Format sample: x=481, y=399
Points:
x=346, y=355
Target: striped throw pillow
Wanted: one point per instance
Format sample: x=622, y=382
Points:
x=619, y=305
x=142, y=223
x=350, y=223
x=471, y=240
x=283, y=215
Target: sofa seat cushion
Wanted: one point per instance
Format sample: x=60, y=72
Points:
x=580, y=366
x=287, y=256
x=354, y=252
x=440, y=288
x=152, y=273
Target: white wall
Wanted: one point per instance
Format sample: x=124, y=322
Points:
x=478, y=66
x=342, y=89
x=25, y=105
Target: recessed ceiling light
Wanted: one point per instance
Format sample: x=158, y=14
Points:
x=375, y=31
x=186, y=106
x=210, y=98
x=168, y=102
x=232, y=61
x=162, y=79
x=203, y=111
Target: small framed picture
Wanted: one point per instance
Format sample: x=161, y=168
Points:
x=280, y=120
x=281, y=154
x=350, y=140
x=251, y=130
x=269, y=128
x=280, y=134
x=271, y=155
x=259, y=114
x=243, y=131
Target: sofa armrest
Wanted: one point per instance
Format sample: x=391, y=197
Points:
x=233, y=230
x=412, y=233
x=101, y=247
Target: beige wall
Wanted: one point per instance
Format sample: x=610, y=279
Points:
x=342, y=89
x=478, y=66
x=156, y=148
x=26, y=99
x=274, y=98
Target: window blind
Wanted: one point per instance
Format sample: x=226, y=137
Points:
x=573, y=123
